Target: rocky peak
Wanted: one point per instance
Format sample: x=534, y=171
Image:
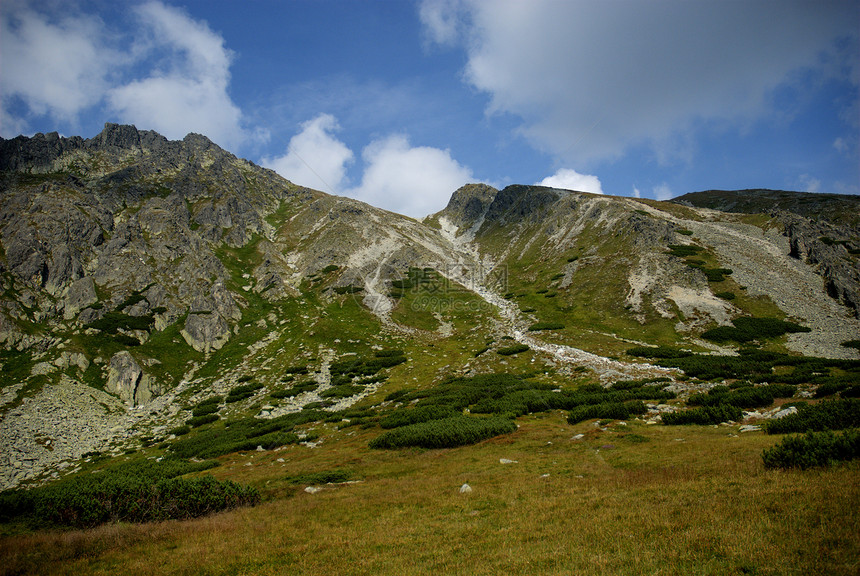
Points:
x=517, y=202
x=468, y=204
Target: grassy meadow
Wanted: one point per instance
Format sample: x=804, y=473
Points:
x=622, y=499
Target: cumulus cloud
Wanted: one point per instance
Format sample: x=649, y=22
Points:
x=663, y=192
x=590, y=79
x=396, y=176
x=569, y=179
x=58, y=66
x=172, y=74
x=415, y=181
x=187, y=91
x=314, y=158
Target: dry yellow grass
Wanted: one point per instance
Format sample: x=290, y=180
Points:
x=629, y=500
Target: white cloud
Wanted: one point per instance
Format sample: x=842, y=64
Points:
x=396, y=176
x=809, y=183
x=636, y=192
x=663, y=192
x=189, y=92
x=568, y=179
x=58, y=66
x=171, y=74
x=314, y=157
x=590, y=79
x=415, y=181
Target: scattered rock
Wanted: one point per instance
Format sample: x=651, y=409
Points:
x=506, y=461
x=785, y=412
x=749, y=428
x=465, y=489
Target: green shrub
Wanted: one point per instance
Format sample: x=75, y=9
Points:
x=139, y=491
x=705, y=415
x=546, y=326
x=296, y=370
x=607, y=410
x=444, y=433
x=683, y=250
x=325, y=477
x=407, y=416
x=203, y=410
x=747, y=329
x=126, y=340
x=511, y=350
x=242, y=392
x=342, y=391
x=826, y=415
x=111, y=322
x=197, y=421
x=684, y=232
x=746, y=397
x=350, y=289
x=852, y=344
x=180, y=430
x=813, y=449
x=330, y=268
x=389, y=353
x=725, y=295
x=244, y=434
x=296, y=389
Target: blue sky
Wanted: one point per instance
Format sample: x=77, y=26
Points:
x=399, y=103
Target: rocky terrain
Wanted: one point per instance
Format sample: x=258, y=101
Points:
x=141, y=275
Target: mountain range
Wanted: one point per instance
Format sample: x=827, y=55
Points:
x=141, y=276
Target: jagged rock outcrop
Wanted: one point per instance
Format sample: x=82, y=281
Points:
x=469, y=204
x=127, y=380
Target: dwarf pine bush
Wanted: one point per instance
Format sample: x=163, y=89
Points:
x=813, y=449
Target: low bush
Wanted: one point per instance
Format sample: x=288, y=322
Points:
x=546, y=326
x=607, y=410
x=389, y=353
x=325, y=477
x=197, y=421
x=244, y=434
x=407, y=416
x=683, y=250
x=745, y=397
x=111, y=322
x=296, y=389
x=747, y=329
x=826, y=415
x=125, y=339
x=444, y=433
x=296, y=370
x=705, y=415
x=511, y=350
x=180, y=430
x=139, y=491
x=342, y=391
x=204, y=409
x=813, y=449
x=242, y=392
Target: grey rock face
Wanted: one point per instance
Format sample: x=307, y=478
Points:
x=127, y=380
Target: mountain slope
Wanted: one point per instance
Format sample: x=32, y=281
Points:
x=142, y=276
